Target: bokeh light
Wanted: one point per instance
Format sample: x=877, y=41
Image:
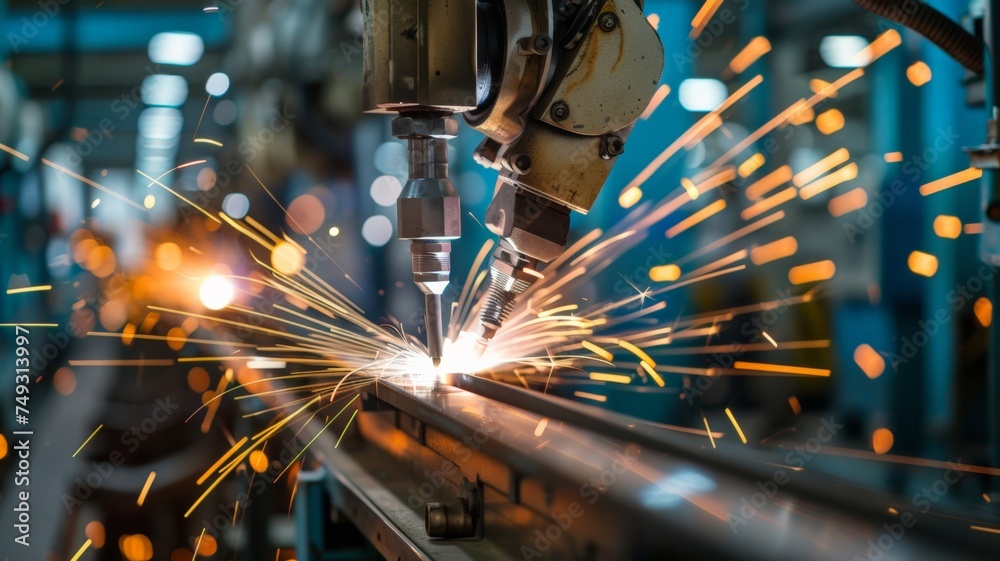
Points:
x=216, y=292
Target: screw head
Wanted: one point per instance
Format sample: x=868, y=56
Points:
x=521, y=163
x=612, y=146
x=559, y=111
x=615, y=145
x=542, y=43
x=608, y=21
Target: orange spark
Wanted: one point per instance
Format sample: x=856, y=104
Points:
x=793, y=402
x=665, y=273
x=769, y=183
x=821, y=167
x=708, y=430
x=637, y=352
x=611, y=378
x=652, y=373
x=878, y=47
x=661, y=93
x=829, y=181
x=765, y=205
x=756, y=48
x=923, y=264
x=739, y=431
x=870, y=362
x=882, y=440
x=780, y=368
x=949, y=227
x=696, y=218
x=703, y=16
x=541, y=427
x=812, y=272
x=590, y=396
x=145, y=488
x=597, y=350
x=630, y=196
x=751, y=165
x=13, y=152
x=983, y=309
x=39, y=288
x=950, y=181
x=848, y=202
x=99, y=427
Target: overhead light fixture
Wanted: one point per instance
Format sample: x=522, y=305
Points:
x=844, y=51
x=164, y=90
x=702, y=94
x=177, y=48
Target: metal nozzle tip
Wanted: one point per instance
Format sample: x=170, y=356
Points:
x=480, y=347
x=436, y=360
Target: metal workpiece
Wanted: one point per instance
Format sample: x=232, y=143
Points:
x=429, y=213
x=558, y=484
x=420, y=54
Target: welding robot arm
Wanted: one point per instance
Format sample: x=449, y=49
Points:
x=555, y=87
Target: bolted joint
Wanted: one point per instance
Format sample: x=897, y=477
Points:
x=612, y=146
x=449, y=520
x=538, y=44
x=460, y=518
x=607, y=21
x=559, y=111
x=424, y=126
x=520, y=163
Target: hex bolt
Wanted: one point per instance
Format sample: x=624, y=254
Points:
x=608, y=21
x=521, y=163
x=612, y=145
x=450, y=520
x=542, y=43
x=559, y=111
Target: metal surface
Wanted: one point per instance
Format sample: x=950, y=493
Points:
x=564, y=492
x=429, y=213
x=525, y=68
x=420, y=54
x=608, y=81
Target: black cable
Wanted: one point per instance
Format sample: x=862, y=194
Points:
x=961, y=45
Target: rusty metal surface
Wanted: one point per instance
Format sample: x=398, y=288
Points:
x=610, y=78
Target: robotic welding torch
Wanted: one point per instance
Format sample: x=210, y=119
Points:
x=554, y=85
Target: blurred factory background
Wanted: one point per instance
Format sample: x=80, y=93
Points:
x=266, y=96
